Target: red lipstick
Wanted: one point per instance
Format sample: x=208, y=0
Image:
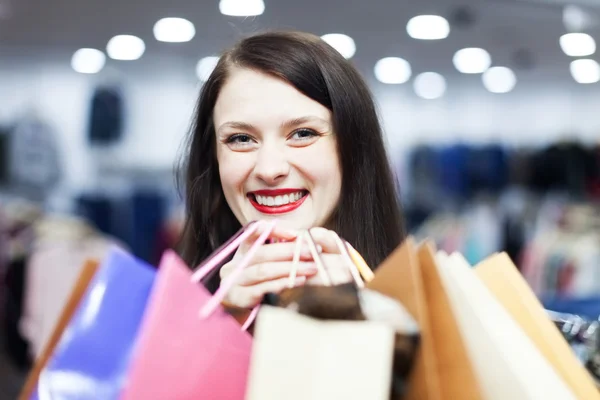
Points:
x=282, y=209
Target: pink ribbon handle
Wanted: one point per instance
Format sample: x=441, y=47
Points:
x=223, y=252
x=226, y=285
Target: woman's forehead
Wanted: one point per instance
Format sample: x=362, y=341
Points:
x=254, y=97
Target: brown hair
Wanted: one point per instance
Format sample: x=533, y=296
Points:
x=368, y=214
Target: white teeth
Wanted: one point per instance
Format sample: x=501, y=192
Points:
x=278, y=200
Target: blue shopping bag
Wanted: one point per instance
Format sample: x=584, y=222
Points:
x=92, y=358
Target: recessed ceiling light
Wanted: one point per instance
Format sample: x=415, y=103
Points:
x=430, y=85
x=392, y=70
x=174, y=30
x=125, y=48
x=585, y=71
x=242, y=8
x=428, y=27
x=205, y=67
x=472, y=60
x=344, y=44
x=88, y=61
x=499, y=79
x=577, y=44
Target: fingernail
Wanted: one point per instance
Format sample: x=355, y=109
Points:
x=319, y=248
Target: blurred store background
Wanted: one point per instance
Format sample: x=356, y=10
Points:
x=491, y=110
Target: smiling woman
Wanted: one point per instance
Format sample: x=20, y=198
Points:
x=286, y=128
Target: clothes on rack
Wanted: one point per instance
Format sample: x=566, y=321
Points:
x=106, y=120
x=563, y=260
x=35, y=166
x=61, y=248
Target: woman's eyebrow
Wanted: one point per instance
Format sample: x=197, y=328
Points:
x=292, y=123
x=304, y=120
x=242, y=126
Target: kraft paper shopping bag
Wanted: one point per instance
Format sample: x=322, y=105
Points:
x=503, y=280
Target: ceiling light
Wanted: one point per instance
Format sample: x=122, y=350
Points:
x=577, y=44
x=575, y=19
x=174, y=30
x=428, y=27
x=585, y=71
x=499, y=80
x=242, y=8
x=430, y=85
x=205, y=67
x=88, y=61
x=392, y=70
x=344, y=44
x=125, y=48
x=472, y=60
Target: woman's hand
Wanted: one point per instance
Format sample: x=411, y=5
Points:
x=336, y=265
x=269, y=269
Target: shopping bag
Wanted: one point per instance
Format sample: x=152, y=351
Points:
x=190, y=347
x=83, y=281
x=93, y=355
x=455, y=371
x=297, y=358
x=507, y=363
x=501, y=277
x=399, y=277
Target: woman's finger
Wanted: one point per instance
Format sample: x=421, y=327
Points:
x=249, y=296
x=269, y=271
x=277, y=233
x=326, y=239
x=280, y=252
x=337, y=269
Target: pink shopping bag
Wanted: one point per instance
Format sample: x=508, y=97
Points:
x=190, y=348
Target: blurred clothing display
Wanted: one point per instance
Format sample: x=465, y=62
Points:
x=136, y=218
x=562, y=258
x=34, y=157
x=106, y=116
x=61, y=248
x=4, y=156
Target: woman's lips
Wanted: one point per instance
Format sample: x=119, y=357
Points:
x=279, y=201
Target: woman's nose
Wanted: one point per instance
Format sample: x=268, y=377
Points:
x=272, y=166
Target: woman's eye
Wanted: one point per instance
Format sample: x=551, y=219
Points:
x=239, y=139
x=303, y=134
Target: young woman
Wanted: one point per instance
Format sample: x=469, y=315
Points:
x=286, y=128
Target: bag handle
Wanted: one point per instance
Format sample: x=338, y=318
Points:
x=306, y=235
x=226, y=285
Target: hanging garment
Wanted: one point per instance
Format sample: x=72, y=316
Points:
x=34, y=158
x=106, y=116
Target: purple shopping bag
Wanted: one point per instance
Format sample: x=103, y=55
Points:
x=93, y=355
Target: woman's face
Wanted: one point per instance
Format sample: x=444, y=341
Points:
x=276, y=152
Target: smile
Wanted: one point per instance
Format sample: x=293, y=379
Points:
x=277, y=201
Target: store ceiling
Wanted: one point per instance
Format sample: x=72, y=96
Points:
x=503, y=27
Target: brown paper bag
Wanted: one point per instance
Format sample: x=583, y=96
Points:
x=84, y=279
x=399, y=277
x=507, y=363
x=456, y=374
x=295, y=357
x=502, y=278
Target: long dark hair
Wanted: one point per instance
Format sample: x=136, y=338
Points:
x=368, y=214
